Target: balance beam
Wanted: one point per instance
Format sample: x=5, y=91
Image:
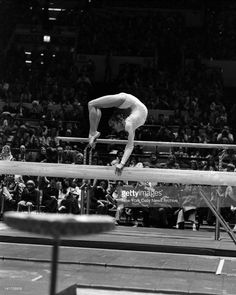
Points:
x=128, y=174
x=153, y=143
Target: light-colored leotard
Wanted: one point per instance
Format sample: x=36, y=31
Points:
x=139, y=111
x=136, y=119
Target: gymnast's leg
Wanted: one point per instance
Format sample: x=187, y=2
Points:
x=94, y=107
x=94, y=119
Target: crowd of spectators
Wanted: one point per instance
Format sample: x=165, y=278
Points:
x=123, y=33
x=52, y=76
x=52, y=195
x=191, y=88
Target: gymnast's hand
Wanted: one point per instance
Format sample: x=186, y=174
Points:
x=119, y=169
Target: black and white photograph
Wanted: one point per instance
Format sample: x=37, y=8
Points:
x=117, y=147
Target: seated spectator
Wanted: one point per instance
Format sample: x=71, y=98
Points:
x=22, y=156
x=144, y=134
x=30, y=197
x=210, y=164
x=68, y=203
x=25, y=136
x=225, y=136
x=171, y=163
x=59, y=154
x=98, y=196
x=41, y=137
x=78, y=156
x=42, y=183
x=130, y=213
x=13, y=187
x=21, y=111
x=153, y=161
x=111, y=196
x=68, y=155
x=164, y=134
x=181, y=135
x=194, y=136
x=6, y=154
x=33, y=140
x=51, y=139
x=19, y=187
x=42, y=155
x=75, y=190
x=108, y=205
x=134, y=163
x=50, y=197
x=194, y=165
x=36, y=110
x=7, y=196
x=188, y=212
x=9, y=125
x=17, y=138
x=52, y=155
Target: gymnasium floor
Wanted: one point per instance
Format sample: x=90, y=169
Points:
x=125, y=261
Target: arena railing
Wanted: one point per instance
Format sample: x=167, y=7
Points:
x=153, y=143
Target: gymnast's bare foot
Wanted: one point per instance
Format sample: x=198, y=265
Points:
x=93, y=138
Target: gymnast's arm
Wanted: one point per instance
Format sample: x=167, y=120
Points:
x=128, y=149
x=130, y=144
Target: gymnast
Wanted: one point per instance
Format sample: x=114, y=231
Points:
x=136, y=118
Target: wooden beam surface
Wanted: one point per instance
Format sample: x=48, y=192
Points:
x=128, y=174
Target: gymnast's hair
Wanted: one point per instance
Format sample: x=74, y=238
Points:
x=120, y=115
